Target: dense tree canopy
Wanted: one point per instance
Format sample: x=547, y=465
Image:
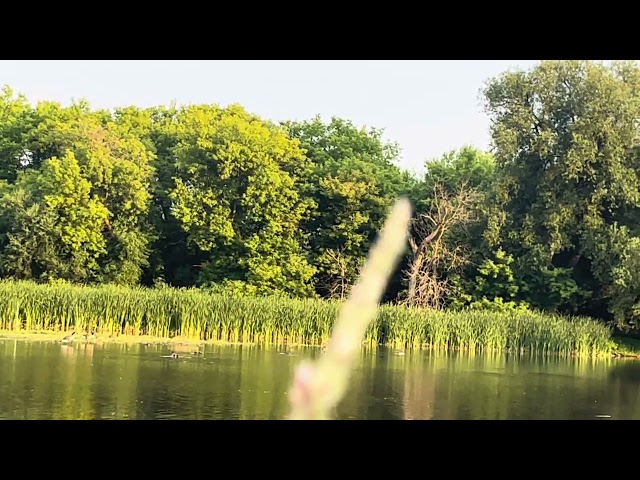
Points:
x=566, y=205
x=353, y=181
x=84, y=182
x=216, y=197
x=235, y=196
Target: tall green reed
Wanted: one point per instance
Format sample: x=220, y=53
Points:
x=200, y=315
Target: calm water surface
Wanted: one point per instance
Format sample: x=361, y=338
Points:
x=45, y=380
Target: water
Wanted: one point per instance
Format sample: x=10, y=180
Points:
x=46, y=380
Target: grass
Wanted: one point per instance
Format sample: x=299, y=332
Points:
x=196, y=314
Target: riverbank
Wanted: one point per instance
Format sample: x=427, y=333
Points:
x=622, y=348
x=147, y=315
x=627, y=347
x=58, y=336
x=55, y=336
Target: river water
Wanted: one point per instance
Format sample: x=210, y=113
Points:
x=47, y=380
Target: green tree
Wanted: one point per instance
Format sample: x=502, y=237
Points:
x=171, y=259
x=16, y=119
x=469, y=166
x=566, y=137
x=235, y=195
x=53, y=226
x=111, y=162
x=353, y=181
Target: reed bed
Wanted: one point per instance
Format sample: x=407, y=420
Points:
x=205, y=316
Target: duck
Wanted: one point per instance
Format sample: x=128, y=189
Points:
x=173, y=355
x=68, y=338
x=87, y=336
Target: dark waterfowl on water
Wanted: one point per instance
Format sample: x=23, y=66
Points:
x=68, y=338
x=173, y=355
x=90, y=336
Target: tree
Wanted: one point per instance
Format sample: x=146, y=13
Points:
x=566, y=138
x=450, y=215
x=53, y=226
x=171, y=260
x=236, y=197
x=16, y=118
x=353, y=181
x=436, y=249
x=111, y=169
x=468, y=165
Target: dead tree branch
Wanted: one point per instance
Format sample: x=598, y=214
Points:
x=436, y=253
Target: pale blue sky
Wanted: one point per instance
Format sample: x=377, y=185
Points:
x=429, y=107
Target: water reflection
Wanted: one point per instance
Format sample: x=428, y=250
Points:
x=89, y=381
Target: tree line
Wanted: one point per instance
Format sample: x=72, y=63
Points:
x=219, y=198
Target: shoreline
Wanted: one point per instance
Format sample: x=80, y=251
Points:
x=53, y=336
x=56, y=336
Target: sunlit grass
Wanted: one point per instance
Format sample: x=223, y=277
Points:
x=200, y=315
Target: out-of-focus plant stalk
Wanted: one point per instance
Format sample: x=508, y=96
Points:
x=318, y=387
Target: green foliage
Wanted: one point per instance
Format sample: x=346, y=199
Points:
x=353, y=181
x=494, y=286
x=170, y=260
x=566, y=136
x=83, y=186
x=467, y=165
x=16, y=119
x=68, y=222
x=498, y=270
x=219, y=198
x=235, y=196
x=28, y=250
x=497, y=304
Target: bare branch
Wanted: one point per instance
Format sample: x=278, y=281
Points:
x=337, y=284
x=435, y=253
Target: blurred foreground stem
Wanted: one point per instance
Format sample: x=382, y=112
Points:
x=318, y=387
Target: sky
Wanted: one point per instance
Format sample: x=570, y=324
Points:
x=428, y=107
